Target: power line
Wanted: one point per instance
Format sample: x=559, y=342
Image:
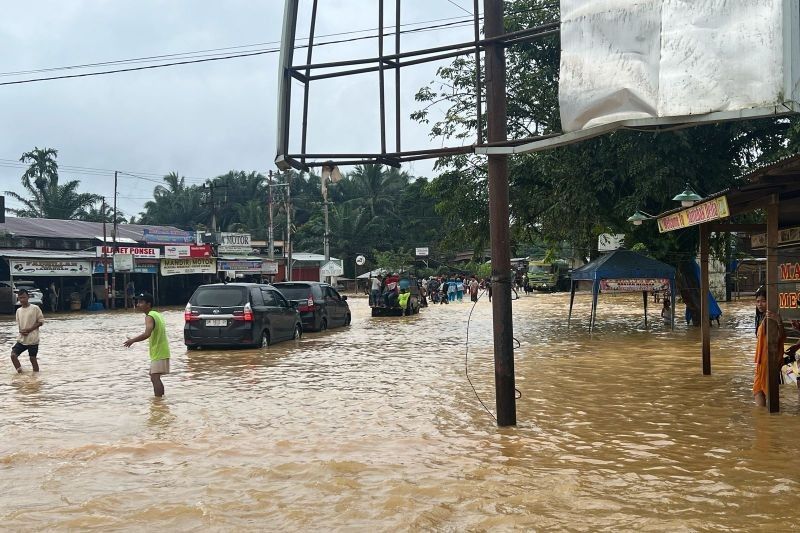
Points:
x=216, y=57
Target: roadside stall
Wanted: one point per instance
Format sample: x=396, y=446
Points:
x=775, y=189
x=624, y=271
x=68, y=272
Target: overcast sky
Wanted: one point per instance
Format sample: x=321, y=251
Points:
x=200, y=120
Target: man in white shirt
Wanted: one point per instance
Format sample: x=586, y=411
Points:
x=375, y=290
x=29, y=320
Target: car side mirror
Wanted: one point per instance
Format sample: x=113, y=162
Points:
x=344, y=298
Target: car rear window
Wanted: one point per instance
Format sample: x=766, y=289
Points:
x=219, y=296
x=296, y=292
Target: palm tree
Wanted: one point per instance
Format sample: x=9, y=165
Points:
x=175, y=204
x=48, y=198
x=377, y=189
x=101, y=213
x=43, y=168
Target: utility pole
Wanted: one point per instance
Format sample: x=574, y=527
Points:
x=288, y=243
x=270, y=234
x=105, y=254
x=114, y=254
x=498, y=216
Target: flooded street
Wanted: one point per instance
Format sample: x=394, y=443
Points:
x=375, y=427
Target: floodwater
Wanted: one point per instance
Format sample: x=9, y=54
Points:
x=375, y=427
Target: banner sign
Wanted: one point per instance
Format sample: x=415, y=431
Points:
x=167, y=236
x=331, y=268
x=421, y=252
x=789, y=286
x=138, y=268
x=269, y=267
x=697, y=214
x=634, y=285
x=785, y=236
x=239, y=265
x=234, y=244
x=174, y=267
x=187, y=251
x=123, y=263
x=50, y=267
x=139, y=253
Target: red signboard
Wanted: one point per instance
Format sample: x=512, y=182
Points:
x=187, y=251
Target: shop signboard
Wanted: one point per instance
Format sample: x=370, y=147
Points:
x=185, y=251
x=331, y=269
x=789, y=285
x=234, y=244
x=138, y=268
x=269, y=267
x=167, y=236
x=786, y=237
x=713, y=209
x=174, y=267
x=136, y=251
x=50, y=267
x=239, y=265
x=634, y=285
x=123, y=262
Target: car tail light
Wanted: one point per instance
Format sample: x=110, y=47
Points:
x=309, y=304
x=246, y=315
x=188, y=315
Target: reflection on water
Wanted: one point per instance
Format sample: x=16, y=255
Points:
x=376, y=427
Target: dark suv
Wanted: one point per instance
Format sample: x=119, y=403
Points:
x=320, y=305
x=239, y=314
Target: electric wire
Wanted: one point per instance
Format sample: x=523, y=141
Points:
x=194, y=59
x=517, y=392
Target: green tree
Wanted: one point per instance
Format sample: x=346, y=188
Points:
x=576, y=192
x=176, y=204
x=47, y=198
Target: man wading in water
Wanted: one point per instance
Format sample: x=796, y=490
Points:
x=29, y=320
x=154, y=330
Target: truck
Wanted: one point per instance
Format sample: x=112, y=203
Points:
x=549, y=276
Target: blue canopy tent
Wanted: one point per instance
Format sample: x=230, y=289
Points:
x=630, y=272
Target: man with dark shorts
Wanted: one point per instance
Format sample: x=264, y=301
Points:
x=29, y=320
x=156, y=331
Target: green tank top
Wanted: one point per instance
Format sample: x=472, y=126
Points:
x=159, y=347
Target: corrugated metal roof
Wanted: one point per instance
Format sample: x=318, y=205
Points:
x=74, y=229
x=28, y=253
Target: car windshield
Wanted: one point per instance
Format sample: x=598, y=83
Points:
x=219, y=296
x=294, y=292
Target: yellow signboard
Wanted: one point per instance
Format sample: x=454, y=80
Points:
x=697, y=214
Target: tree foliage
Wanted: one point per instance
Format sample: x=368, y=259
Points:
x=576, y=192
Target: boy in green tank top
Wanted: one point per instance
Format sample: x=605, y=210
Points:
x=155, y=330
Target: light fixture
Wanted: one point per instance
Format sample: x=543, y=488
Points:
x=688, y=197
x=639, y=216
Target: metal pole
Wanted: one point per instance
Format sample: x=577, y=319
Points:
x=114, y=254
x=326, y=239
x=288, y=243
x=270, y=230
x=705, y=311
x=105, y=254
x=498, y=216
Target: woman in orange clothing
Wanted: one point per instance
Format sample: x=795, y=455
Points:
x=762, y=345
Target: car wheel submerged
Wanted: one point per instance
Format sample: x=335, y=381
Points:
x=298, y=332
x=264, y=338
x=347, y=319
x=323, y=325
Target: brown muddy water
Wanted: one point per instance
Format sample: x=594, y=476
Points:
x=375, y=427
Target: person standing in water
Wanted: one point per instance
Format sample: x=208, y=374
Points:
x=762, y=345
x=156, y=331
x=29, y=320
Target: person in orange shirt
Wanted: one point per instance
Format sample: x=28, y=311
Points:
x=762, y=345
